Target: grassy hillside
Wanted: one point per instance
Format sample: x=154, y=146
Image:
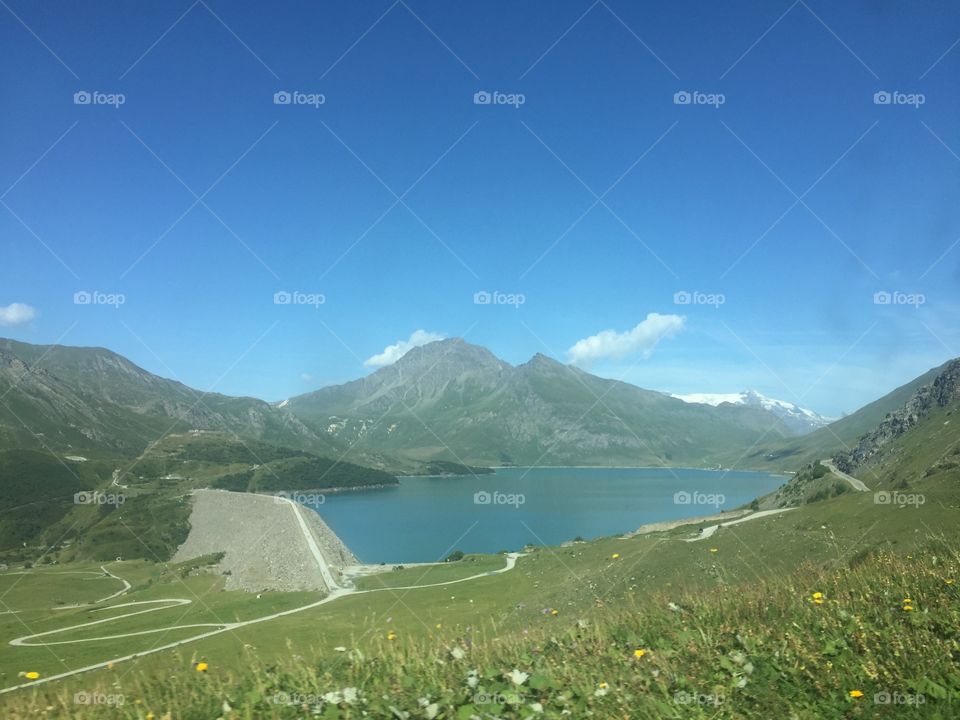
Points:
x=728, y=626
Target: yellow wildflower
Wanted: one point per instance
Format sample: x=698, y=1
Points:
x=201, y=667
x=856, y=694
x=639, y=653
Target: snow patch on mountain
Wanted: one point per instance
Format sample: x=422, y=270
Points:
x=800, y=420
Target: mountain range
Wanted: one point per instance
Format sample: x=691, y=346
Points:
x=448, y=401
x=798, y=419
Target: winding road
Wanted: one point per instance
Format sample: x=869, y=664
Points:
x=857, y=484
x=336, y=594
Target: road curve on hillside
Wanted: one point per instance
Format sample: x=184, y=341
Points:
x=511, y=561
x=856, y=484
x=711, y=529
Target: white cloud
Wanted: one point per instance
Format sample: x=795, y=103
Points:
x=306, y=377
x=16, y=314
x=392, y=353
x=642, y=339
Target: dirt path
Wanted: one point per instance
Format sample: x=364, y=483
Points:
x=857, y=484
x=339, y=592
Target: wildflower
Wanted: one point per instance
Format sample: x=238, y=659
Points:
x=908, y=608
x=639, y=653
x=615, y=556
x=457, y=653
x=30, y=675
x=201, y=667
x=517, y=677
x=391, y=636
x=817, y=598
x=602, y=685
x=554, y=612
x=948, y=581
x=713, y=550
x=439, y=625
x=856, y=694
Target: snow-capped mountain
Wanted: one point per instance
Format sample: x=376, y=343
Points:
x=798, y=419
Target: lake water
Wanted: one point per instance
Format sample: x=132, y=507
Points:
x=426, y=518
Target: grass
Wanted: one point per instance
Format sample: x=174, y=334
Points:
x=753, y=650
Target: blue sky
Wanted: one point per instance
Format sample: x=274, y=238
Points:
x=794, y=197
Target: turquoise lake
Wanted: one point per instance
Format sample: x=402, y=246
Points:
x=426, y=518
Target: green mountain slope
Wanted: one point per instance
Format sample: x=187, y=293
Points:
x=455, y=401
x=91, y=399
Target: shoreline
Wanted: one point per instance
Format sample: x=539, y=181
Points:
x=784, y=473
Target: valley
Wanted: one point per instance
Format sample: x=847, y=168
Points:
x=252, y=577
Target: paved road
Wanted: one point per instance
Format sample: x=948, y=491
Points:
x=710, y=530
x=857, y=484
